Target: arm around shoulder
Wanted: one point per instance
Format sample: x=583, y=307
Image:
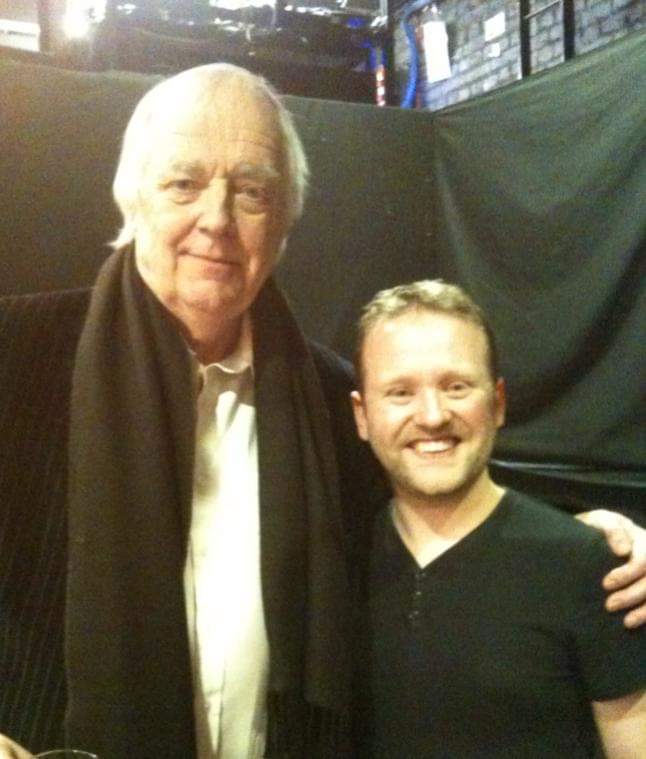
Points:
x=622, y=725
x=627, y=583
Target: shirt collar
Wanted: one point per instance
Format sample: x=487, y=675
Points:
x=237, y=362
x=241, y=358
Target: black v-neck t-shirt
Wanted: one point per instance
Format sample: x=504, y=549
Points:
x=497, y=647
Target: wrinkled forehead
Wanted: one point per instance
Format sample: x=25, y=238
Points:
x=226, y=110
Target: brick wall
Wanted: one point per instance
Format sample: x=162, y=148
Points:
x=478, y=66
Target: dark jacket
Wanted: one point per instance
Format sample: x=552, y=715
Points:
x=38, y=340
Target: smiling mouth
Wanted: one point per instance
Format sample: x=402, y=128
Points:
x=434, y=447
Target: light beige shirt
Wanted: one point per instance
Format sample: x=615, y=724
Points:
x=227, y=636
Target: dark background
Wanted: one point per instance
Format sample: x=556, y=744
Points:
x=533, y=197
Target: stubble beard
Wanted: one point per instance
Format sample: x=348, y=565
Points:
x=457, y=484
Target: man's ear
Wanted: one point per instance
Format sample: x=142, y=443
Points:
x=359, y=414
x=500, y=401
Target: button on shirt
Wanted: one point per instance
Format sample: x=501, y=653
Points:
x=227, y=635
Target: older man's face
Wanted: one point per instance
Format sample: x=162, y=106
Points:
x=210, y=220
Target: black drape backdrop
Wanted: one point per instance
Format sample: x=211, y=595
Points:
x=533, y=197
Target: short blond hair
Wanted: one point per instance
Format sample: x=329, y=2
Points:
x=135, y=149
x=431, y=295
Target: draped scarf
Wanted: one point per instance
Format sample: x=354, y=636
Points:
x=132, y=432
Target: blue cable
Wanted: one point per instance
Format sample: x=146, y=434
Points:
x=413, y=69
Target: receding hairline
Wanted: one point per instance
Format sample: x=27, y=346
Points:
x=176, y=105
x=209, y=79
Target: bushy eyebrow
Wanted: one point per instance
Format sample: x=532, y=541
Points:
x=192, y=168
x=243, y=170
x=256, y=171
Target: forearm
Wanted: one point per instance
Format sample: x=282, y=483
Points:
x=622, y=725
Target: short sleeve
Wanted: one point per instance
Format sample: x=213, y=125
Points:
x=611, y=658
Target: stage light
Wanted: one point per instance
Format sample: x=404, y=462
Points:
x=81, y=16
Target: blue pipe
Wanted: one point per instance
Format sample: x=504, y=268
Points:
x=408, y=100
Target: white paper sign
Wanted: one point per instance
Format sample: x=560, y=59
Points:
x=494, y=26
x=436, y=51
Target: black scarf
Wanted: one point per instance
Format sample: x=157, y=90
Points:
x=130, y=489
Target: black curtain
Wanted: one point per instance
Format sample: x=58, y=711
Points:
x=532, y=197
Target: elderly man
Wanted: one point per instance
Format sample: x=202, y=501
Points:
x=185, y=590
x=487, y=635
x=206, y=596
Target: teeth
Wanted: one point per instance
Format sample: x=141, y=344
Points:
x=434, y=446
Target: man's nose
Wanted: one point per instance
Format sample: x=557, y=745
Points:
x=431, y=409
x=214, y=209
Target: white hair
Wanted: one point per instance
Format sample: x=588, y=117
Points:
x=202, y=79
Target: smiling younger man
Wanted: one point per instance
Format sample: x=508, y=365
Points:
x=487, y=632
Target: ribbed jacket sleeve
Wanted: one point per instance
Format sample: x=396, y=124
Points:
x=38, y=337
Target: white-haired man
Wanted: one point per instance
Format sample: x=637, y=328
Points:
x=473, y=651
x=185, y=590
x=206, y=596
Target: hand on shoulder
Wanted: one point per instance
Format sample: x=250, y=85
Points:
x=626, y=584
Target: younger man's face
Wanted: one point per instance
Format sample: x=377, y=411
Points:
x=429, y=406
